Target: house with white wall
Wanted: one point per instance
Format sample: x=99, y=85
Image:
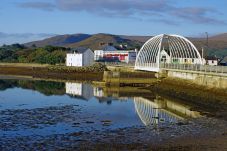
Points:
x=111, y=54
x=212, y=61
x=80, y=57
x=165, y=57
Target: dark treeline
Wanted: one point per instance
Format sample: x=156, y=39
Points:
x=44, y=87
x=18, y=53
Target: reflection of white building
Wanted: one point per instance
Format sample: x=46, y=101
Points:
x=81, y=90
x=80, y=57
x=161, y=110
x=98, y=92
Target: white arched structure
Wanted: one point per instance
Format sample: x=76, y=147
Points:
x=170, y=49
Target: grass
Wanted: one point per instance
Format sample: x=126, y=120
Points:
x=24, y=64
x=90, y=73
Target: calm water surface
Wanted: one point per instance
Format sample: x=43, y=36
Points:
x=30, y=108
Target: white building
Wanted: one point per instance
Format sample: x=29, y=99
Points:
x=212, y=61
x=110, y=53
x=166, y=58
x=80, y=57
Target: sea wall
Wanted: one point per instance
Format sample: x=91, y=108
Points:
x=121, y=78
x=210, y=101
x=210, y=80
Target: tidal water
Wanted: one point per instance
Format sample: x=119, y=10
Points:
x=50, y=115
x=43, y=108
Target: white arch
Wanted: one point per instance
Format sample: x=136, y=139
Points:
x=191, y=44
x=149, y=56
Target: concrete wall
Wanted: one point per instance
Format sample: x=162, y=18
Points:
x=212, y=81
x=88, y=58
x=212, y=62
x=131, y=57
x=128, y=78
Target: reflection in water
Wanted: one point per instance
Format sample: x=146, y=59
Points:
x=151, y=110
x=159, y=110
x=84, y=91
x=98, y=92
x=45, y=87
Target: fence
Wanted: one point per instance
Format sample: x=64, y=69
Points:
x=196, y=67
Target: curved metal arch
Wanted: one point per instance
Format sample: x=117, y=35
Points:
x=151, y=43
x=151, y=39
x=193, y=46
x=149, y=56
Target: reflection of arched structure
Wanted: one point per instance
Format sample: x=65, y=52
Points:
x=164, y=48
x=152, y=112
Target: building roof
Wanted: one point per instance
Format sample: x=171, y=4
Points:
x=166, y=51
x=211, y=58
x=79, y=49
x=109, y=48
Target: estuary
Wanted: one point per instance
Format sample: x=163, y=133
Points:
x=50, y=115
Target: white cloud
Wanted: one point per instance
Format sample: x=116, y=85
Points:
x=158, y=10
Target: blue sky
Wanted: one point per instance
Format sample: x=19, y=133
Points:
x=26, y=20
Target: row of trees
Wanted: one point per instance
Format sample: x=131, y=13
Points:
x=21, y=54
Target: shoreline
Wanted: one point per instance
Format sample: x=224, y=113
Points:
x=47, y=72
x=210, y=102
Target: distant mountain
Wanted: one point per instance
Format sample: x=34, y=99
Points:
x=94, y=41
x=220, y=37
x=212, y=43
x=137, y=38
x=85, y=40
x=60, y=40
x=217, y=44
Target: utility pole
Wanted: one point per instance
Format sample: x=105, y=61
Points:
x=206, y=39
x=206, y=45
x=202, y=52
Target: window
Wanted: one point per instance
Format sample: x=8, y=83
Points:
x=175, y=60
x=163, y=59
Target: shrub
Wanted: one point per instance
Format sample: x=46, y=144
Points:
x=97, y=67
